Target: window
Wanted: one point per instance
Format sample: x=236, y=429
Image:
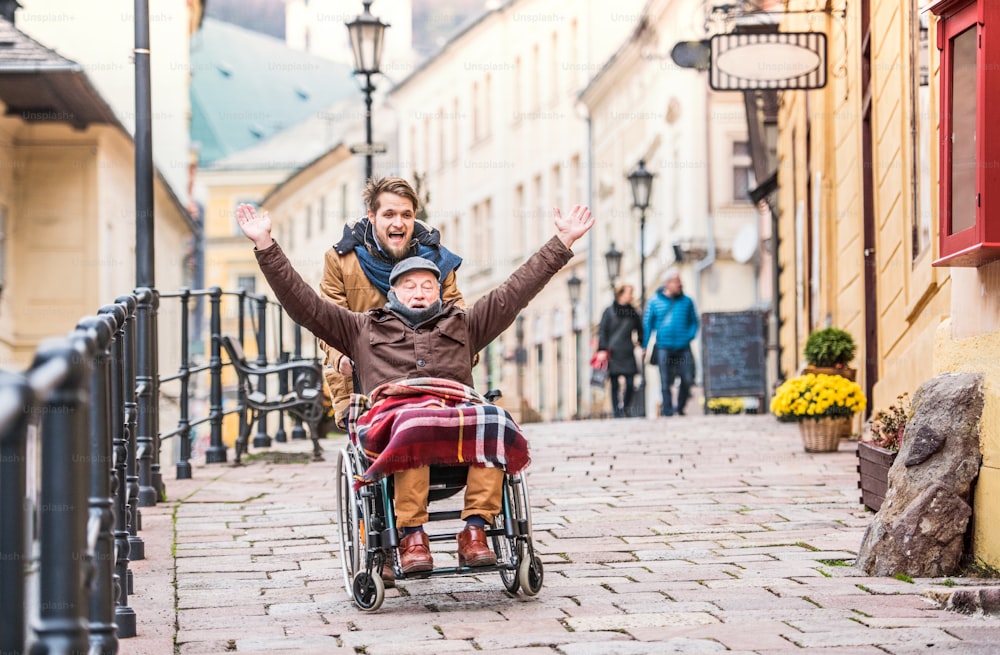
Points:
x=968, y=223
x=922, y=211
x=743, y=177
x=247, y=283
x=554, y=68
x=517, y=101
x=520, y=220
x=557, y=199
x=477, y=119
x=322, y=214
x=3, y=247
x=537, y=213
x=309, y=221
x=455, y=122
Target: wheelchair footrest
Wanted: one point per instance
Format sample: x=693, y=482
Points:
x=444, y=515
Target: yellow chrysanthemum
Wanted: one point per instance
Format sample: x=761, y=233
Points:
x=817, y=396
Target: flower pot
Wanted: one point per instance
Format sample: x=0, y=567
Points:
x=822, y=435
x=874, y=463
x=842, y=371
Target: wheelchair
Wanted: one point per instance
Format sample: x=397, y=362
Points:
x=369, y=538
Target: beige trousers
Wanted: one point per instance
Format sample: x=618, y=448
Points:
x=483, y=487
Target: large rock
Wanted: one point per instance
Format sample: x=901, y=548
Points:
x=920, y=529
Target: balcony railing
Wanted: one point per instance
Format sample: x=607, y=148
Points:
x=84, y=422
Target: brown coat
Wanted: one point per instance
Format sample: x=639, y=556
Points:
x=345, y=283
x=385, y=348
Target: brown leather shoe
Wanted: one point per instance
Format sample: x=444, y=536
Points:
x=388, y=577
x=472, y=548
x=415, y=553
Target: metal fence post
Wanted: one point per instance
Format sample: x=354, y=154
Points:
x=64, y=366
x=15, y=406
x=137, y=549
x=216, y=451
x=261, y=439
x=124, y=615
x=298, y=432
x=100, y=544
x=154, y=354
x=145, y=376
x=184, y=422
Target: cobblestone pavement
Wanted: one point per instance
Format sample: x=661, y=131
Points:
x=696, y=534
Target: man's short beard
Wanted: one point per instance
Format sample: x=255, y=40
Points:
x=400, y=252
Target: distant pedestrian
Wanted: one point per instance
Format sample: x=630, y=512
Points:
x=673, y=318
x=618, y=334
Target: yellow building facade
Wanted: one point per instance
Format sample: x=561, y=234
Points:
x=858, y=228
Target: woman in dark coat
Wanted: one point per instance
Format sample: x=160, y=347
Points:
x=620, y=331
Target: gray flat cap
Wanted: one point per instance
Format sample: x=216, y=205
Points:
x=413, y=264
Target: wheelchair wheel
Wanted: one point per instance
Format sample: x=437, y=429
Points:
x=352, y=531
x=368, y=591
x=509, y=552
x=530, y=574
x=529, y=567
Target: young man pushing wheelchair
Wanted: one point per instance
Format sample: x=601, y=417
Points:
x=412, y=338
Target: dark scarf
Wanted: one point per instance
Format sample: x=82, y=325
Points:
x=410, y=315
x=377, y=264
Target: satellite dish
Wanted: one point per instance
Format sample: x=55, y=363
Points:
x=745, y=244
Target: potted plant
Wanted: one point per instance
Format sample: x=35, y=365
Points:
x=821, y=404
x=725, y=405
x=829, y=351
x=877, y=453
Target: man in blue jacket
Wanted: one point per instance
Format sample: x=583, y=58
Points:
x=672, y=317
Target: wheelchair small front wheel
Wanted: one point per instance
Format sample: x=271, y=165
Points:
x=530, y=574
x=369, y=591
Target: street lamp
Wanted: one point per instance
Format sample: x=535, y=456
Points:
x=574, y=285
x=613, y=258
x=641, y=181
x=366, y=32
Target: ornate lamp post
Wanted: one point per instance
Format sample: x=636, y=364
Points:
x=366, y=33
x=613, y=259
x=641, y=181
x=574, y=285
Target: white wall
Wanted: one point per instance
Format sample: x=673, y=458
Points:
x=101, y=36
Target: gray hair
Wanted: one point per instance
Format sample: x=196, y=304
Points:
x=671, y=272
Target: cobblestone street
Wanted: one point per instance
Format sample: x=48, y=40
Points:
x=696, y=534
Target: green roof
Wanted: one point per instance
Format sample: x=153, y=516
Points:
x=246, y=86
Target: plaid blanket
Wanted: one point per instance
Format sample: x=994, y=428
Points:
x=427, y=421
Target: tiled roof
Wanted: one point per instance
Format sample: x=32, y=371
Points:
x=39, y=84
x=247, y=86
x=19, y=52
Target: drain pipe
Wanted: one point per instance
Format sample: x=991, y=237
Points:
x=702, y=264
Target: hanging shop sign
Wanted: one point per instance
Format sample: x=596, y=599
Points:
x=775, y=60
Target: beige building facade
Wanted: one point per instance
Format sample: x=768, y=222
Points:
x=859, y=205
x=492, y=124
x=643, y=106
x=101, y=37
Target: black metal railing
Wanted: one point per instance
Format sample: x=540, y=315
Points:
x=83, y=422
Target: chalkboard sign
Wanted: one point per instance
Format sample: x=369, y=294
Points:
x=733, y=354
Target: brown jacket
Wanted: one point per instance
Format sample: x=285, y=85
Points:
x=385, y=348
x=345, y=283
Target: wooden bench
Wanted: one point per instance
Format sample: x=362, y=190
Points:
x=304, y=400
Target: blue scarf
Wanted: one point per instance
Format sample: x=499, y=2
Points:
x=377, y=266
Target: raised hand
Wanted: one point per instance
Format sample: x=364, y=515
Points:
x=574, y=226
x=256, y=227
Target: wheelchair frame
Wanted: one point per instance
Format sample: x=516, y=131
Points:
x=368, y=535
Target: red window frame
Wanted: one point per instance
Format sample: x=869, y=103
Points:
x=980, y=243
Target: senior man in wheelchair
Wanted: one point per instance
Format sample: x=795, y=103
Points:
x=413, y=336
